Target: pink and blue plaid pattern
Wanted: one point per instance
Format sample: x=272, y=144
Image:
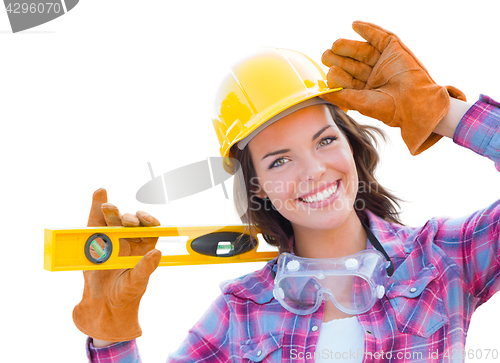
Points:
x=124, y=352
x=444, y=271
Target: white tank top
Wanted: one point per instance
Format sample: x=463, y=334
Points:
x=341, y=340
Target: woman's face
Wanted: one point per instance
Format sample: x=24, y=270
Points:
x=304, y=165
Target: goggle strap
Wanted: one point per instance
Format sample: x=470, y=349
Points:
x=375, y=243
x=274, y=269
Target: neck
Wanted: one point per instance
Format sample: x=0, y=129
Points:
x=346, y=239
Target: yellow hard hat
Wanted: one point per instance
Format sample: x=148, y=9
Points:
x=258, y=88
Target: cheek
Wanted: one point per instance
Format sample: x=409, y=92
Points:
x=344, y=163
x=353, y=179
x=278, y=188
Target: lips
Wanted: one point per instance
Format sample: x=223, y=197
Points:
x=320, y=195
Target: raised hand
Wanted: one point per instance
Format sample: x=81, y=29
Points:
x=383, y=79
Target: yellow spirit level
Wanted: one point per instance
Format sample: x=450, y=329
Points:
x=78, y=249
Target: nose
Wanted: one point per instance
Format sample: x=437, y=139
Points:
x=312, y=169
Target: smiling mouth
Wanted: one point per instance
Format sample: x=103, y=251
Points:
x=318, y=197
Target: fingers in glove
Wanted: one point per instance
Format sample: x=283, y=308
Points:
x=130, y=220
x=361, y=51
x=375, y=35
x=111, y=214
x=114, y=218
x=96, y=217
x=356, y=69
x=148, y=243
x=366, y=102
x=147, y=220
x=337, y=77
x=133, y=282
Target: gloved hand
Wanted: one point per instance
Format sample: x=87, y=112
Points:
x=110, y=303
x=383, y=79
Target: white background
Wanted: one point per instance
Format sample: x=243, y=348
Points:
x=88, y=99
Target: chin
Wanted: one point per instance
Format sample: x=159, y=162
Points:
x=325, y=222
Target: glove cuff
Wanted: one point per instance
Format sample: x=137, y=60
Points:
x=104, y=326
x=419, y=138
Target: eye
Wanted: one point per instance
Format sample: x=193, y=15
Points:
x=327, y=140
x=278, y=162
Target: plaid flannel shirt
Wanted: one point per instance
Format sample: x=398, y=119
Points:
x=444, y=271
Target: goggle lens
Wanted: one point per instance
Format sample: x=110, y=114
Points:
x=304, y=294
x=353, y=283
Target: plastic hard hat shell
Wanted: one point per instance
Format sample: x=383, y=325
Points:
x=258, y=88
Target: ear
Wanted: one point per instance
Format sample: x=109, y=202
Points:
x=259, y=193
x=256, y=188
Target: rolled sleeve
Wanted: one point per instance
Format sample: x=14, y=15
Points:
x=479, y=250
x=123, y=352
x=478, y=129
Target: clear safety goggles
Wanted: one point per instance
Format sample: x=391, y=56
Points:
x=353, y=283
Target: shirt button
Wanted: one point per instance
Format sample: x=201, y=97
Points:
x=314, y=328
x=413, y=289
x=259, y=353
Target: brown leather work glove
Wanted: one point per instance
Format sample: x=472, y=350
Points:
x=110, y=303
x=383, y=79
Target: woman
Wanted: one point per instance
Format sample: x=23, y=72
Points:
x=308, y=171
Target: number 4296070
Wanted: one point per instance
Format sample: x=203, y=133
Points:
x=33, y=8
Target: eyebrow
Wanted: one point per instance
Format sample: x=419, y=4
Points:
x=275, y=152
x=315, y=136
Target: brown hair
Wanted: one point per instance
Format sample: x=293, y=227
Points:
x=277, y=230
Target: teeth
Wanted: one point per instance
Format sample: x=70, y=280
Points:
x=321, y=195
